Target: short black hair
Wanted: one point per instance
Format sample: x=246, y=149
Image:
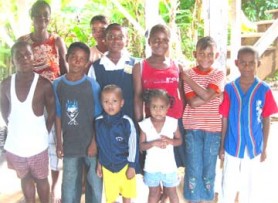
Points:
x=113, y=26
x=112, y=88
x=19, y=44
x=206, y=42
x=79, y=45
x=248, y=49
x=37, y=5
x=100, y=18
x=160, y=28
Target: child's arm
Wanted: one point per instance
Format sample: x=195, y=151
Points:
x=266, y=127
x=92, y=149
x=144, y=145
x=99, y=169
x=132, y=151
x=59, y=144
x=49, y=104
x=138, y=91
x=5, y=99
x=204, y=94
x=62, y=55
x=181, y=86
x=176, y=141
x=223, y=135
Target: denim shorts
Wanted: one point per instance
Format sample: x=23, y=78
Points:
x=167, y=179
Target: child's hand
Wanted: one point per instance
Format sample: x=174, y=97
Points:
x=130, y=173
x=263, y=156
x=166, y=139
x=184, y=76
x=160, y=143
x=221, y=154
x=99, y=170
x=60, y=151
x=92, y=150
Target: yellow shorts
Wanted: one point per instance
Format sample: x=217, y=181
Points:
x=117, y=183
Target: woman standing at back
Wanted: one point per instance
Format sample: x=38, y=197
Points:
x=49, y=49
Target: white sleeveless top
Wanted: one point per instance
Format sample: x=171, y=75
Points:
x=157, y=159
x=27, y=133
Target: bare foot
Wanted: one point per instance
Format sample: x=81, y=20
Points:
x=56, y=198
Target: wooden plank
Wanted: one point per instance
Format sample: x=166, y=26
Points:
x=267, y=38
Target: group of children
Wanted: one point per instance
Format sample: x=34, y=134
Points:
x=111, y=107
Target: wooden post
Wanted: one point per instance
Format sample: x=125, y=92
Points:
x=235, y=37
x=216, y=26
x=151, y=18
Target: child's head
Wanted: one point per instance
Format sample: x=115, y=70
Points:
x=98, y=25
x=115, y=37
x=159, y=39
x=22, y=56
x=40, y=13
x=112, y=99
x=247, y=61
x=158, y=102
x=206, y=52
x=77, y=56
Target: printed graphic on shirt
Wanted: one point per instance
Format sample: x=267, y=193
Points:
x=72, y=112
x=259, y=110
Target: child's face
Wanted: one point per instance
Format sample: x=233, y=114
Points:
x=77, y=60
x=205, y=57
x=98, y=29
x=112, y=102
x=115, y=39
x=158, y=108
x=23, y=58
x=247, y=65
x=159, y=43
x=41, y=17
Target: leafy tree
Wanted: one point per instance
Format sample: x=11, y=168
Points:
x=255, y=9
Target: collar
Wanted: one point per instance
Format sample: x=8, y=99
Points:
x=110, y=66
x=112, y=119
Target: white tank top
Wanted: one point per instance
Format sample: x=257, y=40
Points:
x=27, y=133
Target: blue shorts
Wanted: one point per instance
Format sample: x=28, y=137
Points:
x=167, y=179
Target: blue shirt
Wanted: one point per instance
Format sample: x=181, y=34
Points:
x=245, y=111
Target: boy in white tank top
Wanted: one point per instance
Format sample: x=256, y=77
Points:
x=24, y=96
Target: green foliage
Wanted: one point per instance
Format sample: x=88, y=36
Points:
x=273, y=77
x=255, y=9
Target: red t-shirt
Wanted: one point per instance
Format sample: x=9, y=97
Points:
x=167, y=79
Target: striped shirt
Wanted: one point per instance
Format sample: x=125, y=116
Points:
x=205, y=117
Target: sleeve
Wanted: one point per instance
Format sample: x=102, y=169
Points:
x=217, y=81
x=96, y=94
x=270, y=106
x=225, y=105
x=132, y=145
x=57, y=101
